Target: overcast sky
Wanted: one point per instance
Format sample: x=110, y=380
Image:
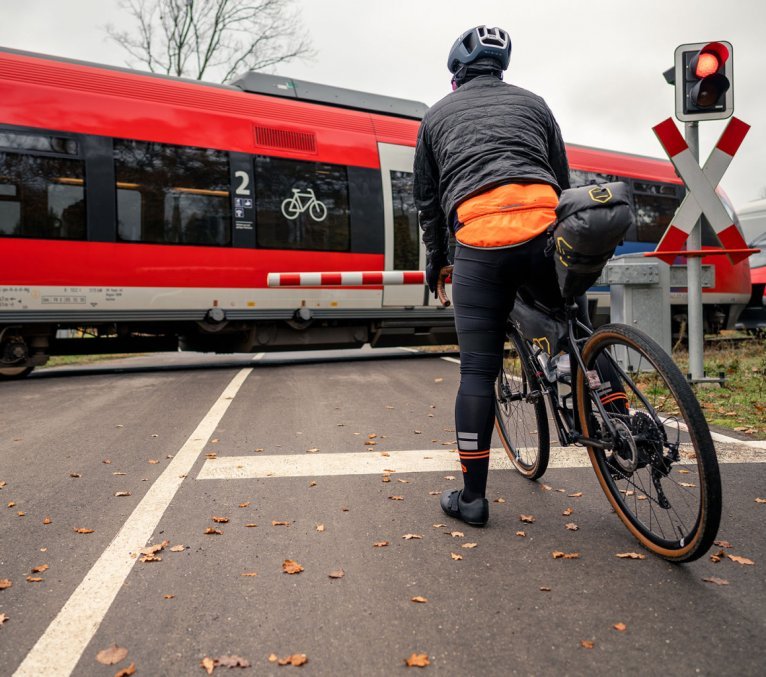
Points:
x=598, y=64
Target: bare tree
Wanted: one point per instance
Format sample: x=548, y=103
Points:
x=190, y=38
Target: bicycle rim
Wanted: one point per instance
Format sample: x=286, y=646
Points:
x=520, y=415
x=661, y=476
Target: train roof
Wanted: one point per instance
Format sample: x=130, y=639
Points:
x=254, y=82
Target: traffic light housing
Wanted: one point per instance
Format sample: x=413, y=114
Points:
x=703, y=81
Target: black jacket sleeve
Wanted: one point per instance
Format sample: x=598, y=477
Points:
x=558, y=155
x=431, y=218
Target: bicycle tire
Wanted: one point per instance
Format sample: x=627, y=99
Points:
x=639, y=473
x=521, y=419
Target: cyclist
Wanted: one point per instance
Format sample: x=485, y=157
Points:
x=491, y=163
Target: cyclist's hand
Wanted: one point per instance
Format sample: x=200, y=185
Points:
x=435, y=261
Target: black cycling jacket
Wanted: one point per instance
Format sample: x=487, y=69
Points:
x=485, y=134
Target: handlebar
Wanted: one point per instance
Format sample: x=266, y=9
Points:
x=441, y=293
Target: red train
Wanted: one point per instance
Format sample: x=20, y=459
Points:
x=145, y=213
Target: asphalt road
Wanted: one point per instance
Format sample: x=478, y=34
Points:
x=164, y=430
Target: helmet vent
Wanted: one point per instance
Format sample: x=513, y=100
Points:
x=288, y=139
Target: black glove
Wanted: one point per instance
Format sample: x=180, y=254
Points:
x=435, y=261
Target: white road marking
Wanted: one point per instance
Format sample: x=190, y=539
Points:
x=258, y=356
x=57, y=652
x=454, y=360
x=373, y=463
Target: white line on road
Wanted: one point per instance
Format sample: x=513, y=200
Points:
x=454, y=360
x=57, y=652
x=374, y=463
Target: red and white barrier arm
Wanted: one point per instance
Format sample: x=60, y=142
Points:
x=346, y=279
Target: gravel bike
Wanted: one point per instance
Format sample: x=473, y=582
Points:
x=629, y=405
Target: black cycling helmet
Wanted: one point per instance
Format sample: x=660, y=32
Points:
x=480, y=43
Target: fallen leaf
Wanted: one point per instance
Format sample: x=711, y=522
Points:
x=245, y=505
x=620, y=627
x=290, y=566
x=688, y=485
x=11, y=504
x=402, y=481
x=417, y=660
x=544, y=588
x=557, y=554
x=213, y=532
x=456, y=534
x=371, y=436
x=153, y=549
x=119, y=473
x=122, y=493
x=273, y=658
x=715, y=580
x=385, y=453
x=396, y=498
x=419, y=599
x=34, y=579
x=587, y=643
x=386, y=478
x=577, y=494
x=380, y=544
x=740, y=560
x=313, y=450
x=150, y=558
x=409, y=537
x=449, y=477
x=521, y=533
x=208, y=664
x=111, y=655
x=168, y=596
x=251, y=574
x=630, y=555
x=233, y=662
x=21, y=514
x=434, y=493
x=571, y=526
x=455, y=556
x=469, y=546
x=83, y=531
x=3, y=618
x=370, y=443
x=47, y=520
x=5, y=583
x=126, y=672
x=499, y=500
x=220, y=520
x=529, y=519
x=75, y=474
x=178, y=548
x=276, y=523
x=760, y=500
x=418, y=432
x=320, y=527
x=251, y=525
x=337, y=574
x=153, y=461
x=567, y=512
x=723, y=544
x=40, y=569
x=438, y=380
x=297, y=659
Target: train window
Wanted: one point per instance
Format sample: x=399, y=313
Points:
x=655, y=205
x=42, y=143
x=406, y=235
x=172, y=194
x=301, y=205
x=578, y=178
x=42, y=197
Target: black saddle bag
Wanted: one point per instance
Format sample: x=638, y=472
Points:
x=591, y=222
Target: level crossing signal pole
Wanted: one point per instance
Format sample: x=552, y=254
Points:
x=702, y=75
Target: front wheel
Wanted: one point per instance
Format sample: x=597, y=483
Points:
x=659, y=471
x=9, y=373
x=520, y=415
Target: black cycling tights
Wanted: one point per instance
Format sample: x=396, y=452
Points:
x=484, y=285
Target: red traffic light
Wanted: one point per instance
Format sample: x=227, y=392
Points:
x=709, y=60
x=707, y=64
x=703, y=81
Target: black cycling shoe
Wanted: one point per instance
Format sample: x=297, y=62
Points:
x=475, y=513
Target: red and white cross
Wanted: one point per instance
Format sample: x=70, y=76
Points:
x=701, y=196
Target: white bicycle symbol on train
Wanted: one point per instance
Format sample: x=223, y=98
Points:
x=302, y=201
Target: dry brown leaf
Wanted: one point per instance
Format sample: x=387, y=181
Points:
x=313, y=450
x=380, y=544
x=740, y=560
x=546, y=487
x=251, y=525
x=723, y=544
x=153, y=549
x=370, y=443
x=409, y=537
x=119, y=473
x=320, y=527
x=396, y=498
x=251, y=574
x=3, y=618
x=620, y=627
x=544, y=588
x=521, y=533
x=715, y=580
x=245, y=505
x=220, y=520
x=82, y=530
x=75, y=474
x=5, y=583
x=47, y=520
x=210, y=531
x=153, y=461
x=34, y=579
x=449, y=477
x=688, y=485
x=403, y=481
x=339, y=573
x=587, y=643
x=438, y=526
x=111, y=655
x=208, y=664
x=40, y=569
x=469, y=546
x=577, y=494
x=290, y=566
x=499, y=500
x=312, y=483
x=630, y=555
x=456, y=534
x=21, y=513
x=371, y=436
x=417, y=660
x=386, y=478
x=126, y=672
x=455, y=556
x=557, y=554
x=11, y=504
x=232, y=662
x=168, y=596
x=760, y=500
x=529, y=519
x=568, y=512
x=277, y=523
x=434, y=493
x=419, y=599
x=178, y=548
x=297, y=659
x=122, y=493
x=571, y=526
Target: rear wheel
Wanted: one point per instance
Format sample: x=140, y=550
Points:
x=660, y=471
x=10, y=373
x=520, y=416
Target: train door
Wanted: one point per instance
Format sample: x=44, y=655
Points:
x=404, y=249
